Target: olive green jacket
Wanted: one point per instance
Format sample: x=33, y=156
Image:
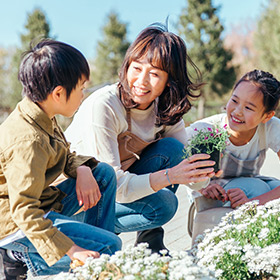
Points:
x=33, y=153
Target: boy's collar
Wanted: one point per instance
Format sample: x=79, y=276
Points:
x=31, y=109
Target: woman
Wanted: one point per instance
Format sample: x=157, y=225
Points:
x=136, y=126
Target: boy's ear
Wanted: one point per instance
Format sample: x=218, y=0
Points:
x=268, y=116
x=58, y=93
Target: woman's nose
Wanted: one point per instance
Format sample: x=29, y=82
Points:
x=143, y=78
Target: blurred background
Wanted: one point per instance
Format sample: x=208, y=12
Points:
x=224, y=38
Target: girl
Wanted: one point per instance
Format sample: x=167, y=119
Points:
x=253, y=129
x=136, y=126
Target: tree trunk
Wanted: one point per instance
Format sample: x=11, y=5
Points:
x=200, y=108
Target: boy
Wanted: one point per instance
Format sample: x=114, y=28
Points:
x=37, y=221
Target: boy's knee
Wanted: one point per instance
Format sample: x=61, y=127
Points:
x=105, y=174
x=115, y=244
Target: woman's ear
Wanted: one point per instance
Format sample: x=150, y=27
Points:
x=268, y=116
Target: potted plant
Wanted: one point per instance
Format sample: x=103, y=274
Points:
x=210, y=140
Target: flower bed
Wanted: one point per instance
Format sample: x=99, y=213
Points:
x=137, y=263
x=245, y=245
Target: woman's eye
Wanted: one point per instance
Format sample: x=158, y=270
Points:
x=234, y=101
x=154, y=74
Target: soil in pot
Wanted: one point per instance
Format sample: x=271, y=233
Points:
x=215, y=156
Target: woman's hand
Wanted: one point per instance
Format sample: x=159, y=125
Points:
x=237, y=197
x=187, y=171
x=215, y=191
x=87, y=189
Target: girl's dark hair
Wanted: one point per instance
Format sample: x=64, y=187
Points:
x=168, y=52
x=267, y=84
x=48, y=65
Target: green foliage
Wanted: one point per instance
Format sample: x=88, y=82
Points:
x=267, y=38
x=207, y=140
x=245, y=245
x=37, y=28
x=2, y=75
x=199, y=25
x=110, y=51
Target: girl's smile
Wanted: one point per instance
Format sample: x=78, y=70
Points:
x=245, y=111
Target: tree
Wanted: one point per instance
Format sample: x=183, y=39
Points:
x=267, y=38
x=37, y=28
x=2, y=76
x=240, y=40
x=199, y=25
x=110, y=51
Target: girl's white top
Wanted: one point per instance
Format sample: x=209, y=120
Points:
x=252, y=148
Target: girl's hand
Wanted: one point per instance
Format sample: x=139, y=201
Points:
x=215, y=191
x=237, y=197
x=87, y=189
x=81, y=254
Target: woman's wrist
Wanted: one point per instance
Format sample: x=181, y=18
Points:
x=160, y=179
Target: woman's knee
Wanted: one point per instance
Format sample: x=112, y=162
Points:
x=173, y=149
x=167, y=205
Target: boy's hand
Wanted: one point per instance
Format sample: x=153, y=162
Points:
x=87, y=189
x=81, y=254
x=215, y=191
x=237, y=197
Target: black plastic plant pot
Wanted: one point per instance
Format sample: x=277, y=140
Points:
x=215, y=156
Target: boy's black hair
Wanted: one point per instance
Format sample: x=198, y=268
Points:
x=268, y=85
x=48, y=65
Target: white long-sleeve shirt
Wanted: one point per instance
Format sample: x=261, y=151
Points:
x=96, y=126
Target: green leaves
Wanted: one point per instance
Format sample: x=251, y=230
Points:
x=207, y=140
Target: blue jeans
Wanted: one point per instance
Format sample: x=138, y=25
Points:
x=251, y=186
x=89, y=229
x=158, y=208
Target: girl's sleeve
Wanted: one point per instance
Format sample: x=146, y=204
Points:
x=273, y=134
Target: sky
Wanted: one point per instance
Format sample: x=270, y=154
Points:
x=79, y=22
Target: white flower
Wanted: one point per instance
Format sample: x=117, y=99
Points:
x=263, y=233
x=247, y=237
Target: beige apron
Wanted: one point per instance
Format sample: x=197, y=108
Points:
x=131, y=146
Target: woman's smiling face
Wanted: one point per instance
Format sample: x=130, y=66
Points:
x=146, y=82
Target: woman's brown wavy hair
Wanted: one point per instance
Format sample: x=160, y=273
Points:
x=168, y=52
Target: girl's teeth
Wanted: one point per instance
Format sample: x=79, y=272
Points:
x=236, y=120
